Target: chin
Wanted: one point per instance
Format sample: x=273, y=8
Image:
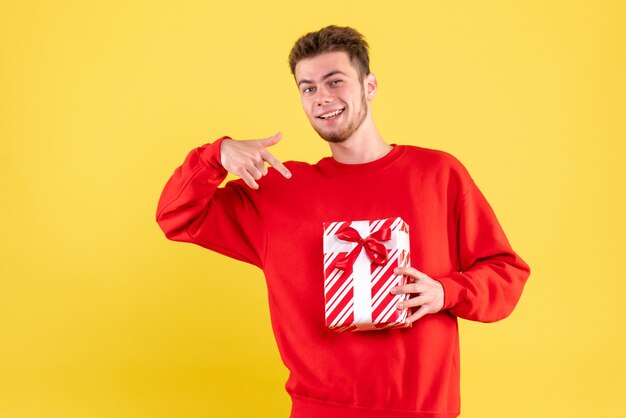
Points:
x=334, y=137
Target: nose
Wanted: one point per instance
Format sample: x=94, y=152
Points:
x=323, y=97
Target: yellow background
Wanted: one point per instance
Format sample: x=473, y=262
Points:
x=101, y=316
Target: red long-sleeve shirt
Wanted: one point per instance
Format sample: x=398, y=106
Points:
x=455, y=238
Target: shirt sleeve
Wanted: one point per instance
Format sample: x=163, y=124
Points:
x=193, y=208
x=492, y=276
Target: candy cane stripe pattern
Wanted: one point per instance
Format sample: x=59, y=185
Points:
x=359, y=259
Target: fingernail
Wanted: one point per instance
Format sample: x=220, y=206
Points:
x=399, y=305
x=393, y=290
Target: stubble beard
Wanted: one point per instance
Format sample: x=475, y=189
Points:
x=344, y=134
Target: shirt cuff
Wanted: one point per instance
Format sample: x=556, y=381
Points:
x=453, y=292
x=210, y=157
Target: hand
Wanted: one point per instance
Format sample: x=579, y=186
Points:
x=429, y=292
x=246, y=158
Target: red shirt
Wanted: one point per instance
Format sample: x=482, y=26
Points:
x=455, y=238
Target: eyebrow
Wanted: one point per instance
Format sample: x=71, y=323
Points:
x=330, y=74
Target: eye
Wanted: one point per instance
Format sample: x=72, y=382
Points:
x=336, y=82
x=308, y=90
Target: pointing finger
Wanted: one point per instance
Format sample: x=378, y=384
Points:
x=273, y=161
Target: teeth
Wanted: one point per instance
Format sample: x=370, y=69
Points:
x=331, y=114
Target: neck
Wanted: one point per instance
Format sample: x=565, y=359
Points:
x=363, y=146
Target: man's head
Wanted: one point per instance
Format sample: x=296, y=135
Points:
x=331, y=69
x=330, y=39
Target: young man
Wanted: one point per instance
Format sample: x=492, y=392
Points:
x=462, y=264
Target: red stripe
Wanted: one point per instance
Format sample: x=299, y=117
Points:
x=342, y=302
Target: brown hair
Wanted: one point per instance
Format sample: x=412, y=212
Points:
x=329, y=39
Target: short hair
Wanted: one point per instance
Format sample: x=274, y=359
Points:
x=329, y=39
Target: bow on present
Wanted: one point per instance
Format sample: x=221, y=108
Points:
x=375, y=250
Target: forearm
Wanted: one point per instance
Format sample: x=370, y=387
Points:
x=489, y=290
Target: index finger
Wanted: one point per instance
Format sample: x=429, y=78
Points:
x=410, y=271
x=273, y=161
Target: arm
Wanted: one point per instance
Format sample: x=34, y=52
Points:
x=192, y=208
x=492, y=275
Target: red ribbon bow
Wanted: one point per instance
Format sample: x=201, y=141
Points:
x=375, y=250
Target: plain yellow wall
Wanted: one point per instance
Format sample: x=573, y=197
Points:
x=102, y=316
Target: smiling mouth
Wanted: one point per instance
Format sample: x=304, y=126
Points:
x=332, y=114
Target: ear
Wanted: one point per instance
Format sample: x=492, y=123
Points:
x=370, y=86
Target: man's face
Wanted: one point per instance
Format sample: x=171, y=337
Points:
x=332, y=96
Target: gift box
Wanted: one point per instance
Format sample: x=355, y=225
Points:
x=359, y=259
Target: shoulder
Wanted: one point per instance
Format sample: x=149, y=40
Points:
x=441, y=168
x=435, y=159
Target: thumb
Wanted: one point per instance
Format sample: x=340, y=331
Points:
x=269, y=141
